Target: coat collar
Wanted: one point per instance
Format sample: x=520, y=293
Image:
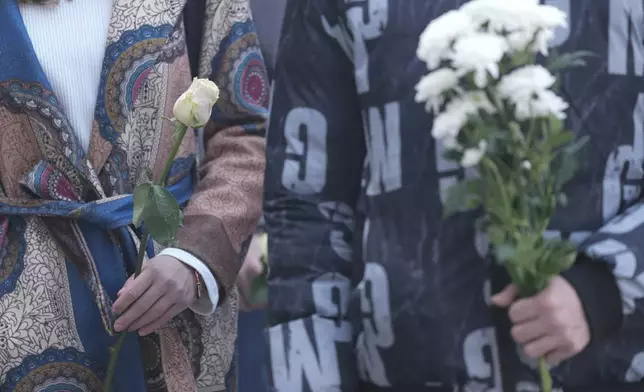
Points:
x=150, y=30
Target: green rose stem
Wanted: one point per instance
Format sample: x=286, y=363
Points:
x=179, y=132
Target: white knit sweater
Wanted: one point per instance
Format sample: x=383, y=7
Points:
x=69, y=41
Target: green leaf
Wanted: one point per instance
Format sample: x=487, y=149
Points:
x=558, y=139
x=461, y=197
x=141, y=195
x=555, y=125
x=576, y=147
x=496, y=234
x=264, y=259
x=559, y=255
x=568, y=162
x=517, y=276
x=566, y=169
x=159, y=210
x=569, y=60
x=504, y=252
x=522, y=58
x=452, y=155
x=532, y=284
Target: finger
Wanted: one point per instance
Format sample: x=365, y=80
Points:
x=524, y=310
x=243, y=283
x=157, y=310
x=557, y=356
x=541, y=347
x=505, y=297
x=140, y=306
x=254, y=250
x=528, y=331
x=132, y=292
x=126, y=285
x=255, y=267
x=162, y=321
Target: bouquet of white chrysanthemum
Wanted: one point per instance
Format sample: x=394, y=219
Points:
x=496, y=113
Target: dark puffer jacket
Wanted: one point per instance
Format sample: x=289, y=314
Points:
x=371, y=290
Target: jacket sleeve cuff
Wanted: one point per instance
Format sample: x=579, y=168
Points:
x=207, y=304
x=599, y=294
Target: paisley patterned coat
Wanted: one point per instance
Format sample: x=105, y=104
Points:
x=65, y=213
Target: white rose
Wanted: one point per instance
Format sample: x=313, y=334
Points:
x=193, y=108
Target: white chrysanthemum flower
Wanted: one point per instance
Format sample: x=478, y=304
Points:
x=504, y=15
x=449, y=123
x=523, y=20
x=480, y=54
x=432, y=87
x=543, y=104
x=523, y=81
x=472, y=156
x=438, y=36
x=451, y=143
x=538, y=41
x=528, y=88
x=526, y=165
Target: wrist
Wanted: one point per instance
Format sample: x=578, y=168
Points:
x=209, y=285
x=599, y=294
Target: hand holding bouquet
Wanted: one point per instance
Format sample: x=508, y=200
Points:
x=497, y=114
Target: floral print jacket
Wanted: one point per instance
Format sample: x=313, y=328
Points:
x=64, y=220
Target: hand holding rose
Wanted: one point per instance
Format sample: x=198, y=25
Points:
x=165, y=288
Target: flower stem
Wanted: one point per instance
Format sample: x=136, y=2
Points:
x=140, y=256
x=116, y=349
x=114, y=356
x=179, y=133
x=544, y=375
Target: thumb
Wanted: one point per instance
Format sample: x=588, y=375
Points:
x=505, y=297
